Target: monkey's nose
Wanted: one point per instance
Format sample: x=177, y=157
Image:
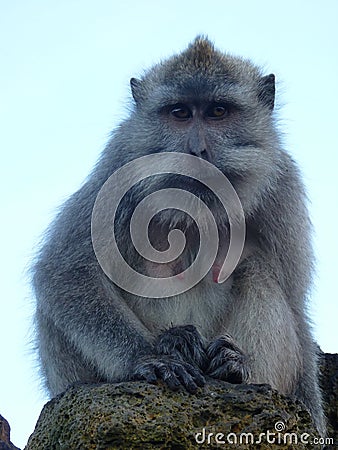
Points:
x=197, y=147
x=200, y=153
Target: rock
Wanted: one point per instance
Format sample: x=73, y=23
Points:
x=137, y=415
x=329, y=383
x=143, y=416
x=5, y=442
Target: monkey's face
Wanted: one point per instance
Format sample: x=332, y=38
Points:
x=222, y=122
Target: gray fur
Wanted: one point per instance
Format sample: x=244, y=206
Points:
x=90, y=330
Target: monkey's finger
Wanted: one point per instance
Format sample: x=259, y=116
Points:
x=222, y=373
x=146, y=373
x=231, y=371
x=224, y=356
x=186, y=379
x=197, y=376
x=168, y=376
x=222, y=343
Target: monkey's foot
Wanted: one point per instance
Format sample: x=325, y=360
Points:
x=173, y=372
x=227, y=361
x=183, y=343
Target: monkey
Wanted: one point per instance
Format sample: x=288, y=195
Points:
x=253, y=328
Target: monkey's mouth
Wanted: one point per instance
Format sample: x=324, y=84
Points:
x=184, y=184
x=201, y=188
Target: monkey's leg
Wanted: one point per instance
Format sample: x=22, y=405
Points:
x=62, y=363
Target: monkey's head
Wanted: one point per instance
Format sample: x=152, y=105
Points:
x=214, y=106
x=211, y=105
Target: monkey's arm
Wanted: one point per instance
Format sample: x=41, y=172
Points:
x=88, y=333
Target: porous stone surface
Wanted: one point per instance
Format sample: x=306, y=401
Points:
x=137, y=415
x=329, y=384
x=5, y=441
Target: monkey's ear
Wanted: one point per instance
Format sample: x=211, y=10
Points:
x=137, y=89
x=266, y=90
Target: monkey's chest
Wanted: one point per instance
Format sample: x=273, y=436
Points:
x=205, y=306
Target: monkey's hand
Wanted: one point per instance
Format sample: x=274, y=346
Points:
x=173, y=372
x=226, y=361
x=180, y=353
x=184, y=343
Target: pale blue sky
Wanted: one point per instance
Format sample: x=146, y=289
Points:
x=65, y=70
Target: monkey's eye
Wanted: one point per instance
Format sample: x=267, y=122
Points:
x=181, y=112
x=217, y=111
